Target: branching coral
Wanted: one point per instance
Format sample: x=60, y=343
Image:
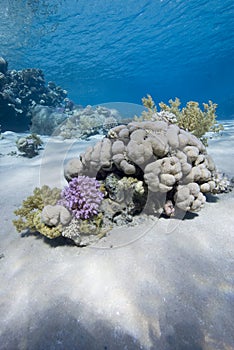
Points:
x=152, y=114
x=190, y=118
x=82, y=197
x=194, y=119
x=148, y=102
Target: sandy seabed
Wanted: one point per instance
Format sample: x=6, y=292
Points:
x=164, y=285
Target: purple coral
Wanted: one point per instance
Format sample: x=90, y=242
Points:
x=82, y=197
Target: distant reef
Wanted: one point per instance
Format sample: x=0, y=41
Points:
x=21, y=91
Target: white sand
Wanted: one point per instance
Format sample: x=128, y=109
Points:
x=167, y=284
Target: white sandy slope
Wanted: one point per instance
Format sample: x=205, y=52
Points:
x=168, y=284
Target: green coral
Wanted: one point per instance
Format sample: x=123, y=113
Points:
x=190, y=118
x=30, y=212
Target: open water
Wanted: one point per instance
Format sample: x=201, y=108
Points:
x=120, y=50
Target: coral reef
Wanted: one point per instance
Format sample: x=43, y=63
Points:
x=29, y=145
x=139, y=169
x=170, y=162
x=82, y=197
x=20, y=91
x=26, y=101
x=190, y=118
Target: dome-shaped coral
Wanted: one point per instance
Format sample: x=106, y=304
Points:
x=164, y=157
x=82, y=197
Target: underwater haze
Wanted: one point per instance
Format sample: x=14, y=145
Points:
x=110, y=51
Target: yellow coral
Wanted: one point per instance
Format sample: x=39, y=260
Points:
x=30, y=212
x=193, y=119
x=173, y=106
x=148, y=102
x=190, y=118
x=48, y=231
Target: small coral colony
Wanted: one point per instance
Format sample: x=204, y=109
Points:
x=155, y=164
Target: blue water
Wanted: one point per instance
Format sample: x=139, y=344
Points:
x=110, y=51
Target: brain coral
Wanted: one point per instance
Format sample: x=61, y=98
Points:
x=82, y=197
x=166, y=158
